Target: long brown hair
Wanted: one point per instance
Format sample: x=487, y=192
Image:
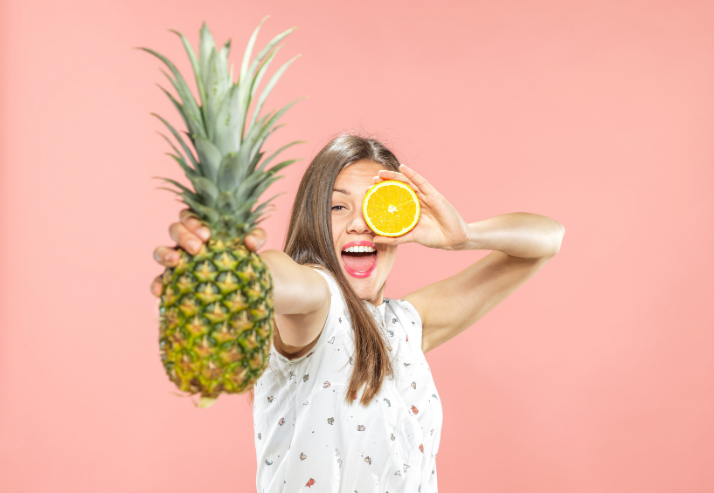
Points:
x=309, y=241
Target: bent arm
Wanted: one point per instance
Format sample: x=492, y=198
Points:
x=522, y=244
x=302, y=301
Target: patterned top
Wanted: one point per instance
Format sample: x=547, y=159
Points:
x=308, y=439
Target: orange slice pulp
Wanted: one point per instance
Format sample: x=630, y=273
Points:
x=391, y=208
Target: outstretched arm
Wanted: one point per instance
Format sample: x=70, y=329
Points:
x=302, y=301
x=522, y=244
x=300, y=295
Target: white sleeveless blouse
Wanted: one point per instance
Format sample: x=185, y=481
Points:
x=307, y=439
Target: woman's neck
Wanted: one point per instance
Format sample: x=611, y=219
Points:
x=378, y=297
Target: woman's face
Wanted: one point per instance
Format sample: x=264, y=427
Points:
x=366, y=265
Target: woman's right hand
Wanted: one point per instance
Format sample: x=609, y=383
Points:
x=189, y=233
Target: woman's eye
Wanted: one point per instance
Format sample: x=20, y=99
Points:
x=338, y=207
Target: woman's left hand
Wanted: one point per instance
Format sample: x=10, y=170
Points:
x=439, y=226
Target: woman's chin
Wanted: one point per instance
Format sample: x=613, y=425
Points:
x=366, y=285
x=363, y=287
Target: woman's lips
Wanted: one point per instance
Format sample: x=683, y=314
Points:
x=359, y=264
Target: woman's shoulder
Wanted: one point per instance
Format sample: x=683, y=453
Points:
x=338, y=318
x=330, y=278
x=337, y=299
x=408, y=314
x=401, y=316
x=336, y=323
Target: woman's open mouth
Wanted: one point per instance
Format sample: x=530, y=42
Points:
x=359, y=258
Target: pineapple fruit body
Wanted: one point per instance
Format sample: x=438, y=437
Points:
x=216, y=319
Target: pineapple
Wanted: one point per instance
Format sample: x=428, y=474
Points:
x=216, y=306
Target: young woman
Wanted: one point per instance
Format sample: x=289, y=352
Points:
x=348, y=402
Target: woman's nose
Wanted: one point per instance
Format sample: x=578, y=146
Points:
x=357, y=224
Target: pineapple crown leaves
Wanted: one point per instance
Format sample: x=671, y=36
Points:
x=226, y=166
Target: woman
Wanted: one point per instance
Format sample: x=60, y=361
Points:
x=348, y=402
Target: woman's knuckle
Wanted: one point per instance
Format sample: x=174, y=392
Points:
x=176, y=230
x=189, y=218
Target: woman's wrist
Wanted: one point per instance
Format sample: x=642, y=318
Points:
x=471, y=238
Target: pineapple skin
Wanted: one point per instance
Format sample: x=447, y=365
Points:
x=217, y=324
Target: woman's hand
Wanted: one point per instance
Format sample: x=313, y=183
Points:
x=190, y=233
x=439, y=226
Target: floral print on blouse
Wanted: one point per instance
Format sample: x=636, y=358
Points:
x=307, y=439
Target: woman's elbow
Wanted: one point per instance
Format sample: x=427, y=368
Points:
x=558, y=238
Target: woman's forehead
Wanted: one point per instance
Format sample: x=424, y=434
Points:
x=358, y=173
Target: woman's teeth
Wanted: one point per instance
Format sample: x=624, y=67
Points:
x=360, y=261
x=359, y=249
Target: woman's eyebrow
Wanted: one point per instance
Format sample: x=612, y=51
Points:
x=346, y=192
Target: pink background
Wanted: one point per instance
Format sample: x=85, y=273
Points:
x=595, y=376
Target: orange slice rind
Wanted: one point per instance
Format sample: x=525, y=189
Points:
x=391, y=208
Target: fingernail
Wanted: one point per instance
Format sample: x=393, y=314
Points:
x=255, y=240
x=203, y=233
x=168, y=257
x=192, y=245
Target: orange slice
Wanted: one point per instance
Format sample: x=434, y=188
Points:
x=391, y=208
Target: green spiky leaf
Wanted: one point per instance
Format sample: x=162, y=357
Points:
x=207, y=189
x=209, y=155
x=249, y=49
x=273, y=155
x=191, y=110
x=226, y=166
x=269, y=87
x=205, y=47
x=225, y=203
x=218, y=85
x=180, y=140
x=194, y=64
x=231, y=173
